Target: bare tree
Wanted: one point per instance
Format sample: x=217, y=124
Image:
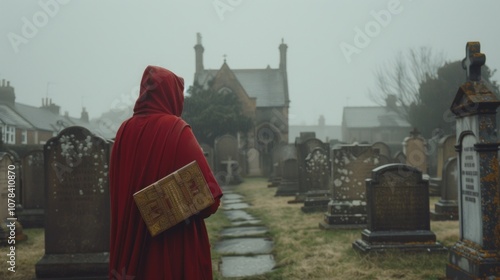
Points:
x=400, y=79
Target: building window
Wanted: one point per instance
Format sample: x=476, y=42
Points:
x=24, y=137
x=9, y=134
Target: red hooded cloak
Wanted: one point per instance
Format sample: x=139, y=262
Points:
x=153, y=143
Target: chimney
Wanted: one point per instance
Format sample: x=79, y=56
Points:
x=48, y=105
x=390, y=102
x=7, y=94
x=84, y=116
x=282, y=49
x=321, y=121
x=198, y=49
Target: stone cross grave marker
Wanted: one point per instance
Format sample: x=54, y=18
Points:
x=77, y=223
x=398, y=211
x=477, y=254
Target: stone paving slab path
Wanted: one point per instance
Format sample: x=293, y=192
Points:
x=245, y=249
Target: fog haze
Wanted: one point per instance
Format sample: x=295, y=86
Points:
x=92, y=53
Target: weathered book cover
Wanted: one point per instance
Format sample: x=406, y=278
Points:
x=173, y=198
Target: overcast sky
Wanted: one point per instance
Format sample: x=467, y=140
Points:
x=92, y=53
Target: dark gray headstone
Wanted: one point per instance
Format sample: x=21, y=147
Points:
x=447, y=207
x=311, y=161
x=33, y=190
x=77, y=221
x=398, y=211
x=477, y=254
x=289, y=184
x=446, y=150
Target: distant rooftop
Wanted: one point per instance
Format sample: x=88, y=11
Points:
x=364, y=117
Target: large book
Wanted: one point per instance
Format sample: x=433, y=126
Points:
x=174, y=198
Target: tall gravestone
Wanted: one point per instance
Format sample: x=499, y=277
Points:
x=77, y=220
x=253, y=159
x=398, y=211
x=310, y=155
x=415, y=151
x=318, y=171
x=447, y=207
x=477, y=254
x=33, y=190
x=351, y=166
x=276, y=174
x=314, y=164
x=289, y=183
x=445, y=151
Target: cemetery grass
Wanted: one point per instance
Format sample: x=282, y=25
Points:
x=303, y=251
x=28, y=253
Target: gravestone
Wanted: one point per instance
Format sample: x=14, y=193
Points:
x=228, y=165
x=289, y=184
x=383, y=149
x=309, y=149
x=318, y=178
x=446, y=150
x=275, y=176
x=447, y=207
x=33, y=190
x=415, y=151
x=398, y=211
x=77, y=220
x=400, y=157
x=253, y=158
x=477, y=254
x=351, y=166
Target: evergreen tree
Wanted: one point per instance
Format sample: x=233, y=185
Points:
x=431, y=109
x=212, y=114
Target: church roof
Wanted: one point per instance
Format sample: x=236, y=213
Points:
x=367, y=117
x=267, y=85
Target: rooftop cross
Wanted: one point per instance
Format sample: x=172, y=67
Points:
x=225, y=56
x=473, y=61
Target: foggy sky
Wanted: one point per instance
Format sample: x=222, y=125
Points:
x=92, y=53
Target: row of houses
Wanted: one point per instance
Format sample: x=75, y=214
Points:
x=26, y=124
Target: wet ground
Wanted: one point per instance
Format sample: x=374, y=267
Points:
x=245, y=246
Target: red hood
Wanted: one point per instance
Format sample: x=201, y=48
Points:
x=162, y=92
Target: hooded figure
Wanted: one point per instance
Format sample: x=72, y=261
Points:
x=153, y=143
